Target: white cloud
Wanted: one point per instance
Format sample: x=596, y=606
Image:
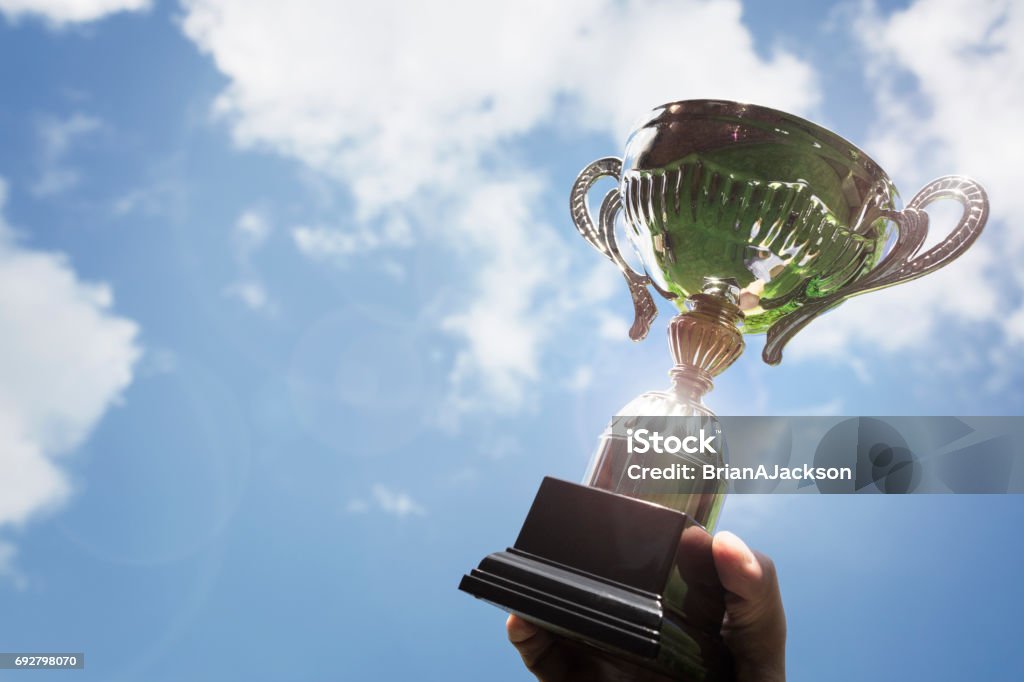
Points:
x=57, y=137
x=391, y=97
x=249, y=234
x=251, y=293
x=387, y=500
x=407, y=105
x=64, y=359
x=1015, y=326
x=612, y=327
x=8, y=569
x=252, y=229
x=516, y=301
x=160, y=198
x=958, y=112
x=581, y=379
x=61, y=12
x=946, y=76
x=338, y=245
x=396, y=502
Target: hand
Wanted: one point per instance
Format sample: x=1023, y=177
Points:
x=754, y=628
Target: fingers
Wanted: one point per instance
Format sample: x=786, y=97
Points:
x=755, y=626
x=538, y=648
x=739, y=569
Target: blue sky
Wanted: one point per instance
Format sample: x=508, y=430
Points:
x=293, y=321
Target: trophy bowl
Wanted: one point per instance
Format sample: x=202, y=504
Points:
x=792, y=216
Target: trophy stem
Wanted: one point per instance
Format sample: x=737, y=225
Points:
x=705, y=340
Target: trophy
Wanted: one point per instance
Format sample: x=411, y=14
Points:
x=749, y=220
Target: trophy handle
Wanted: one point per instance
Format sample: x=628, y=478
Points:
x=902, y=263
x=602, y=238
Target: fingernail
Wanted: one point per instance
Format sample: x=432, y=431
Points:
x=747, y=555
x=522, y=628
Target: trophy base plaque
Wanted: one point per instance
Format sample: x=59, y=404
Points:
x=633, y=579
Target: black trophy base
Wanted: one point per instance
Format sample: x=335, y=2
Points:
x=630, y=578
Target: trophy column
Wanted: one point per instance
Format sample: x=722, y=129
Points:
x=704, y=342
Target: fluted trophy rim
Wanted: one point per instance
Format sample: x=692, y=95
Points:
x=746, y=112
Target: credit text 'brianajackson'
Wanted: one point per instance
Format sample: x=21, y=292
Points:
x=710, y=472
x=776, y=472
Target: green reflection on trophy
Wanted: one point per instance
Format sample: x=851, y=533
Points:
x=768, y=211
x=751, y=220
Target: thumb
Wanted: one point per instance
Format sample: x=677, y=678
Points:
x=755, y=623
x=540, y=653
